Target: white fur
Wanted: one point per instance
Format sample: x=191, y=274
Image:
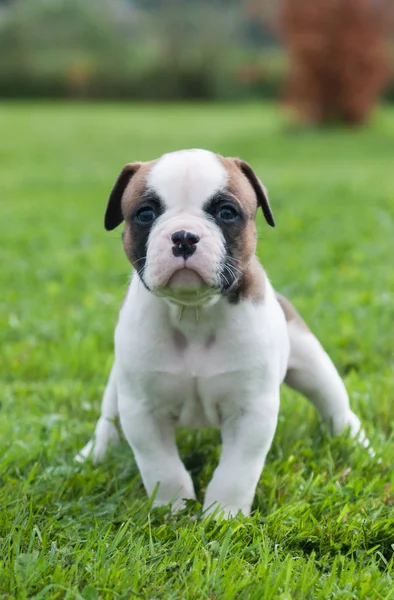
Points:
x=161, y=263
x=311, y=372
x=187, y=178
x=212, y=364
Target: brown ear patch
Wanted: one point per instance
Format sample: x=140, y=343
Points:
x=137, y=187
x=239, y=186
x=127, y=190
x=290, y=312
x=113, y=214
x=260, y=191
x=135, y=237
x=240, y=239
x=242, y=181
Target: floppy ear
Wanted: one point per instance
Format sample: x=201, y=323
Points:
x=259, y=190
x=113, y=214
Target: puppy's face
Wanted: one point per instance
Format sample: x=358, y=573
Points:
x=190, y=222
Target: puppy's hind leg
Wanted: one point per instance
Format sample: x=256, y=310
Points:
x=312, y=373
x=106, y=433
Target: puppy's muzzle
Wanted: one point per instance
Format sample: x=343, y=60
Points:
x=184, y=243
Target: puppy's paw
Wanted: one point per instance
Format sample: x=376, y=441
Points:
x=106, y=435
x=351, y=422
x=219, y=512
x=174, y=506
x=85, y=453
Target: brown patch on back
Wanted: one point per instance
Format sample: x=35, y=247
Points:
x=290, y=312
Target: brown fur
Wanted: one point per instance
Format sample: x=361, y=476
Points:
x=113, y=214
x=338, y=56
x=131, y=196
x=244, y=173
x=290, y=312
x=136, y=187
x=239, y=186
x=251, y=286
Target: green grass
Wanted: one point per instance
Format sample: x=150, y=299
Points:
x=323, y=525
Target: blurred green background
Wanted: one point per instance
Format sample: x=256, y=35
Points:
x=144, y=49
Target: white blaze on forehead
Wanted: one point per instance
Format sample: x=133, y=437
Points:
x=188, y=178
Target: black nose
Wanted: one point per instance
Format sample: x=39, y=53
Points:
x=184, y=243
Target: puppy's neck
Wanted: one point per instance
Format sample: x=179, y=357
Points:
x=201, y=321
x=198, y=322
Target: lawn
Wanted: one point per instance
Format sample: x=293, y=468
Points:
x=323, y=525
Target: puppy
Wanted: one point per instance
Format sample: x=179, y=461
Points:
x=202, y=339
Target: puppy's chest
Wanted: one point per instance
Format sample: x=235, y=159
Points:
x=189, y=379
x=196, y=379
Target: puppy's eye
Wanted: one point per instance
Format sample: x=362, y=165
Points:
x=227, y=214
x=145, y=215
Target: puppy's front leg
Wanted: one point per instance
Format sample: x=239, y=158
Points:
x=246, y=440
x=106, y=433
x=152, y=440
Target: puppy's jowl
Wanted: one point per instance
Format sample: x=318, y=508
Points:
x=202, y=339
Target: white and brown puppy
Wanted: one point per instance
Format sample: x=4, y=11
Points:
x=202, y=339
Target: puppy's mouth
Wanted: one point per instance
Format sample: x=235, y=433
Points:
x=186, y=286
x=185, y=280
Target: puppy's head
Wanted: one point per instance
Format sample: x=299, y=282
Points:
x=190, y=222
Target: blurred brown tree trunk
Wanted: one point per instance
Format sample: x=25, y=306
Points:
x=338, y=57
